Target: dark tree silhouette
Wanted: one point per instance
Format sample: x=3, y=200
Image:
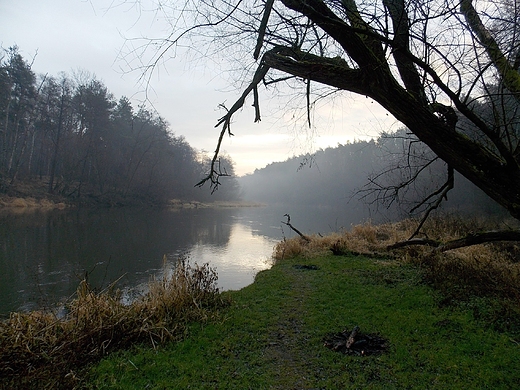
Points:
x=430, y=64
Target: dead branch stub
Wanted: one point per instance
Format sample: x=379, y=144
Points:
x=288, y=223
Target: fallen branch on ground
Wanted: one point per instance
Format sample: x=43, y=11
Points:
x=469, y=240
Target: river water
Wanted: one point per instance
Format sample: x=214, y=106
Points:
x=44, y=255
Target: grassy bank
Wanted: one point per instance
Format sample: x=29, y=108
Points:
x=47, y=350
x=271, y=337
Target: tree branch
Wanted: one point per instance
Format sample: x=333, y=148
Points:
x=288, y=223
x=469, y=240
x=214, y=174
x=480, y=238
x=510, y=77
x=263, y=26
x=443, y=194
x=334, y=72
x=340, y=31
x=401, y=50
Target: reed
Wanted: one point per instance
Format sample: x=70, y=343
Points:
x=40, y=350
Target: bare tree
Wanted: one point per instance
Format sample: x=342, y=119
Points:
x=431, y=64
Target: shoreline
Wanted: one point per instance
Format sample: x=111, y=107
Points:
x=12, y=203
x=26, y=203
x=179, y=204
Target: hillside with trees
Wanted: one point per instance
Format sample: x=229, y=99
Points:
x=385, y=175
x=71, y=135
x=431, y=65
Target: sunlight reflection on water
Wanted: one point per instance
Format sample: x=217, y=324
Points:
x=236, y=263
x=240, y=260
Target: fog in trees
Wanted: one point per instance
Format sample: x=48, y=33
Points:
x=431, y=65
x=385, y=178
x=72, y=134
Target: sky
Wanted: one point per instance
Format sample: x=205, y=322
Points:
x=74, y=36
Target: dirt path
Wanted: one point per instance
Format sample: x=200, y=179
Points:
x=289, y=342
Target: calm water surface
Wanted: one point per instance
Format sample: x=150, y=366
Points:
x=44, y=255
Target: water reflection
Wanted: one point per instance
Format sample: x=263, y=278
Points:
x=237, y=263
x=43, y=256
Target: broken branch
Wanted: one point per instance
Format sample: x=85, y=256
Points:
x=288, y=223
x=469, y=240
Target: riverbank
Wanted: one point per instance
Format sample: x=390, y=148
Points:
x=31, y=203
x=447, y=320
x=30, y=194
x=48, y=349
x=33, y=194
x=26, y=203
x=181, y=204
x=272, y=336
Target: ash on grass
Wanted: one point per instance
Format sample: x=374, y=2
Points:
x=361, y=345
x=40, y=350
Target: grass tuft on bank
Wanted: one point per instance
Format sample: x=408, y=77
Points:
x=42, y=350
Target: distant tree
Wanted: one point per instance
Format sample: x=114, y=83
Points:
x=430, y=64
x=55, y=121
x=18, y=99
x=93, y=106
x=73, y=134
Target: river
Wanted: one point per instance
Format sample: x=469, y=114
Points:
x=45, y=254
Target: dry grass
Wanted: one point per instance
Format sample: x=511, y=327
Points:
x=29, y=204
x=372, y=239
x=365, y=239
x=489, y=270
x=40, y=350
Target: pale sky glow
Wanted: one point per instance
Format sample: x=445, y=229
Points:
x=71, y=35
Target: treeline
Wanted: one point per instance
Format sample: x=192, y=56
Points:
x=391, y=175
x=74, y=136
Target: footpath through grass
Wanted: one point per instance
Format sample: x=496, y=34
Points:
x=271, y=337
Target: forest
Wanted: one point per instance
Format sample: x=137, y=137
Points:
x=394, y=175
x=71, y=135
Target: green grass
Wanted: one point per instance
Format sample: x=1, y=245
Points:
x=271, y=337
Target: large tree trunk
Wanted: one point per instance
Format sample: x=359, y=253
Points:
x=498, y=179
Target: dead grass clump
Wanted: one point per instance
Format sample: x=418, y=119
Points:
x=297, y=246
x=482, y=278
x=19, y=202
x=29, y=204
x=40, y=350
x=362, y=239
x=482, y=270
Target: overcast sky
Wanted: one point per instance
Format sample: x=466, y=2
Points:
x=88, y=35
